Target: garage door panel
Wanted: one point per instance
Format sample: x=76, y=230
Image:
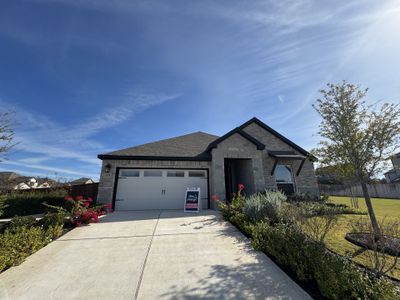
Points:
x=145, y=189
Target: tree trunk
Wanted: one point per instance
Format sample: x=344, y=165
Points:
x=371, y=213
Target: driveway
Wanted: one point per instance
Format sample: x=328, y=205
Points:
x=150, y=255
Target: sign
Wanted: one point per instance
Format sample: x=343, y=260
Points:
x=192, y=200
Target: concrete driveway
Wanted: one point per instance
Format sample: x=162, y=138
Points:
x=150, y=255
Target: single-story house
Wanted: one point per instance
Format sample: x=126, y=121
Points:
x=156, y=175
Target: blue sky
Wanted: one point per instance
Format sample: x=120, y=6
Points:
x=86, y=77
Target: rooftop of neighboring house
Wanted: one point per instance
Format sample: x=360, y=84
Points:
x=82, y=180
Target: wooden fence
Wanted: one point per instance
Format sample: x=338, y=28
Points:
x=85, y=190
x=376, y=190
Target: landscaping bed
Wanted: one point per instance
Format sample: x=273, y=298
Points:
x=386, y=244
x=24, y=235
x=276, y=228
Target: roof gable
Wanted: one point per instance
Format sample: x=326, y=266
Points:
x=214, y=144
x=278, y=135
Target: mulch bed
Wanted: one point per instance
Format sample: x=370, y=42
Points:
x=387, y=244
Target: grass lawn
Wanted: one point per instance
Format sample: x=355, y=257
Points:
x=335, y=241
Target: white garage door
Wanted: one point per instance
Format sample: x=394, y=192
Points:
x=141, y=189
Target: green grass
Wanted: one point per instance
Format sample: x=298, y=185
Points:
x=388, y=209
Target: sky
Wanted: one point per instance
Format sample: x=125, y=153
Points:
x=86, y=77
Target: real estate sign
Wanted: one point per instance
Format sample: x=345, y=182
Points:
x=192, y=200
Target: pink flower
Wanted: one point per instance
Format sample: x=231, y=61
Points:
x=241, y=186
x=68, y=198
x=86, y=204
x=89, y=199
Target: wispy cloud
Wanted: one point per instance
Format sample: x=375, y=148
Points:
x=38, y=134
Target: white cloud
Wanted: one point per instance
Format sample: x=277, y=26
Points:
x=37, y=134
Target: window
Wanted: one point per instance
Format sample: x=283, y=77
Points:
x=283, y=174
x=284, y=179
x=197, y=174
x=152, y=173
x=129, y=173
x=175, y=174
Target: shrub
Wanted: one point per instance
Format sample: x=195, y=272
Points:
x=265, y=206
x=303, y=197
x=19, y=243
x=336, y=276
x=313, y=209
x=27, y=221
x=29, y=203
x=82, y=212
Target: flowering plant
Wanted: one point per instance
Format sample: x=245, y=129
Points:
x=82, y=211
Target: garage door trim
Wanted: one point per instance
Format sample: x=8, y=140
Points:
x=162, y=168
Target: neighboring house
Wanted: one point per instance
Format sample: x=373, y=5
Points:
x=156, y=175
x=83, y=180
x=24, y=183
x=22, y=186
x=393, y=175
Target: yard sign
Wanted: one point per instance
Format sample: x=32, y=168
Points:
x=192, y=200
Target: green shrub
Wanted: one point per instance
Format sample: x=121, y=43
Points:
x=313, y=209
x=336, y=276
x=27, y=221
x=19, y=243
x=303, y=197
x=53, y=224
x=53, y=219
x=29, y=203
x=264, y=206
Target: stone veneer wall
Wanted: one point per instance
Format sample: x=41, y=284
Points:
x=235, y=146
x=107, y=180
x=305, y=182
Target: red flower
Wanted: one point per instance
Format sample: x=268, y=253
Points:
x=86, y=204
x=241, y=186
x=79, y=198
x=215, y=198
x=68, y=198
x=89, y=199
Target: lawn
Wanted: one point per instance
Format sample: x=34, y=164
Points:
x=384, y=208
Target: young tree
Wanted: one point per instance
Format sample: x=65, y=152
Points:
x=6, y=132
x=357, y=136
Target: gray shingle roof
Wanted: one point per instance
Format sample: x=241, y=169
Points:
x=189, y=145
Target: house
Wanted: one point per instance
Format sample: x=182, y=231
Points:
x=22, y=186
x=82, y=180
x=25, y=183
x=393, y=175
x=156, y=175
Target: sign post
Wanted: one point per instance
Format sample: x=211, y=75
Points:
x=192, y=200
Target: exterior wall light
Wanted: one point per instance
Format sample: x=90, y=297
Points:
x=107, y=168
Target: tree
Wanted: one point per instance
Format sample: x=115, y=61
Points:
x=357, y=136
x=6, y=132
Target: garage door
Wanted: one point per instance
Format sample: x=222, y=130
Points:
x=141, y=189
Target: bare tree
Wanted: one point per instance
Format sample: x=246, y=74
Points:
x=356, y=136
x=6, y=132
